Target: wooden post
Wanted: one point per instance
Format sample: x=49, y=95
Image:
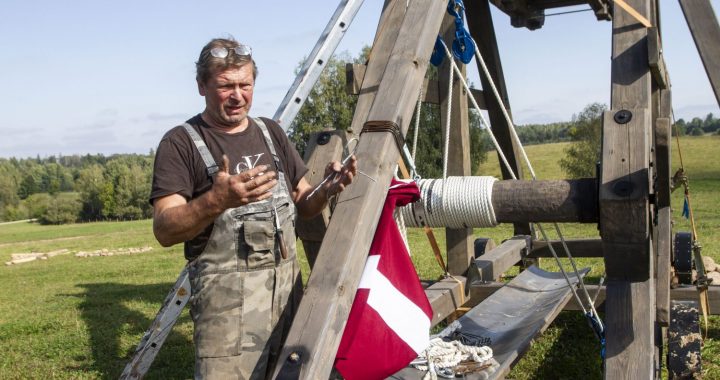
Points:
x=704, y=27
x=316, y=332
x=624, y=203
x=323, y=147
x=481, y=28
x=459, y=242
x=663, y=139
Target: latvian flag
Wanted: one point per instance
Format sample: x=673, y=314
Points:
x=389, y=322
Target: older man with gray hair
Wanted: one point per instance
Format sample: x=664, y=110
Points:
x=230, y=186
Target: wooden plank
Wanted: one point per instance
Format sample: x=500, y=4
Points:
x=624, y=203
x=578, y=248
x=624, y=197
x=480, y=24
x=445, y=297
x=323, y=147
x=703, y=25
x=491, y=265
x=458, y=242
x=656, y=60
x=663, y=167
x=317, y=329
x=512, y=317
x=630, y=330
x=480, y=291
x=546, y=201
x=355, y=72
x=389, y=25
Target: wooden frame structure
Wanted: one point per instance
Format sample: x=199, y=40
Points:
x=630, y=200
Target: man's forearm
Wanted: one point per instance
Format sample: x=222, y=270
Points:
x=308, y=208
x=183, y=222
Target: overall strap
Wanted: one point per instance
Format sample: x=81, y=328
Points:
x=210, y=164
x=268, y=140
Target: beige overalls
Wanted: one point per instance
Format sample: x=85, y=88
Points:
x=244, y=294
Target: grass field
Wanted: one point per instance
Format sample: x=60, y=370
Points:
x=81, y=318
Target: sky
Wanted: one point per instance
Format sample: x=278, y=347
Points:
x=84, y=76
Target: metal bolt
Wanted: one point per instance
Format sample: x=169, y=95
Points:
x=622, y=116
x=294, y=357
x=323, y=138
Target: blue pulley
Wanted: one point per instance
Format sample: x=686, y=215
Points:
x=463, y=48
x=438, y=53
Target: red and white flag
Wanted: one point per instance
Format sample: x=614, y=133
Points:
x=389, y=323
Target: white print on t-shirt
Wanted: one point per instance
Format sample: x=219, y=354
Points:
x=249, y=163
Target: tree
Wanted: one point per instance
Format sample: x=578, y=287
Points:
x=582, y=156
x=62, y=208
x=329, y=106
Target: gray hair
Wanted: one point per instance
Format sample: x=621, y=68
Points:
x=207, y=64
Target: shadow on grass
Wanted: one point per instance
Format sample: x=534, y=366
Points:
x=104, y=310
x=574, y=354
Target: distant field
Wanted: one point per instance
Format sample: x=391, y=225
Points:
x=81, y=318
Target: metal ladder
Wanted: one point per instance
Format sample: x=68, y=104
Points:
x=179, y=295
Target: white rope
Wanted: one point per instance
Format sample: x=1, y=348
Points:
x=448, y=114
x=417, y=123
x=446, y=355
x=454, y=202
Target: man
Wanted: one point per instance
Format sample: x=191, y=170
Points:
x=228, y=186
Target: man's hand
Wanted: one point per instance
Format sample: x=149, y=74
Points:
x=176, y=220
x=338, y=177
x=236, y=190
x=341, y=176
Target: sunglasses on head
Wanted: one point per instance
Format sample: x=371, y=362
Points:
x=242, y=51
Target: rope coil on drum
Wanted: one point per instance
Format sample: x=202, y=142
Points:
x=454, y=202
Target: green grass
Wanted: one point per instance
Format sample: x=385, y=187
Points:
x=81, y=318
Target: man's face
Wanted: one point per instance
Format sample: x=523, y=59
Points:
x=228, y=96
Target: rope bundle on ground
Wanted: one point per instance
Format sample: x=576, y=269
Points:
x=443, y=355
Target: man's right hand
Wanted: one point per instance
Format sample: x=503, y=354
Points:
x=176, y=220
x=236, y=190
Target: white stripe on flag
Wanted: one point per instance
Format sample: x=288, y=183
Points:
x=402, y=315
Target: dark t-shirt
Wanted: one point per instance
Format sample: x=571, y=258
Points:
x=179, y=168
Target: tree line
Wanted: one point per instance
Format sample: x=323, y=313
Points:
x=66, y=189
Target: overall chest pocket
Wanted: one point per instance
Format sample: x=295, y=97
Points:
x=258, y=246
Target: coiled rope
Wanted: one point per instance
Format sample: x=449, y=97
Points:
x=442, y=355
x=454, y=202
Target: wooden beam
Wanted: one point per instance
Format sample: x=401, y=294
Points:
x=663, y=167
x=491, y=265
x=355, y=72
x=624, y=203
x=445, y=297
x=481, y=28
x=459, y=242
x=656, y=60
x=703, y=25
x=546, y=201
x=317, y=329
x=480, y=291
x=578, y=248
x=323, y=147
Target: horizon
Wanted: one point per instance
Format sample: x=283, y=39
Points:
x=127, y=70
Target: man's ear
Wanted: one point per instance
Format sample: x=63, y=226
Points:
x=201, y=87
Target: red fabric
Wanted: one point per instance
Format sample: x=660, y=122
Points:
x=370, y=349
